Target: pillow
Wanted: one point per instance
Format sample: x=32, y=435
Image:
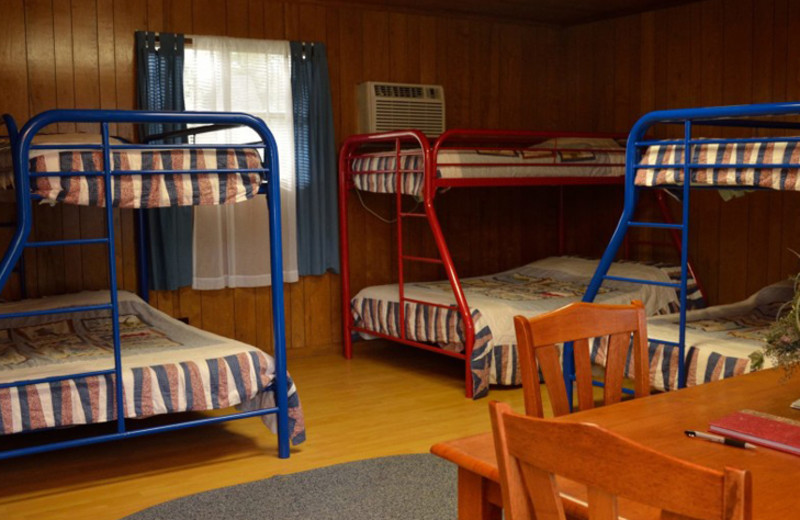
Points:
x=498, y=153
x=578, y=142
x=77, y=139
x=582, y=145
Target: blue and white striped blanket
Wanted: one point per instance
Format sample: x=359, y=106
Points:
x=719, y=339
x=168, y=367
x=494, y=300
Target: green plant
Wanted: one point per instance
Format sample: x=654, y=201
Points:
x=783, y=337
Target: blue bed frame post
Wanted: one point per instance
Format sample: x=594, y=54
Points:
x=687, y=178
x=142, y=253
x=112, y=282
x=22, y=195
x=13, y=139
x=19, y=241
x=276, y=268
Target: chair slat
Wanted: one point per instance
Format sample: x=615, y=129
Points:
x=529, y=371
x=641, y=358
x=547, y=357
x=618, y=346
x=542, y=490
x=583, y=374
x=602, y=505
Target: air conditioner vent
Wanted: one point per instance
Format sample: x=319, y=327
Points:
x=394, y=91
x=385, y=107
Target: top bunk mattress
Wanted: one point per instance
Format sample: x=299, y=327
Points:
x=554, y=158
x=168, y=366
x=723, y=164
x=72, y=184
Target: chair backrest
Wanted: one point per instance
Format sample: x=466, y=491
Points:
x=538, y=344
x=532, y=451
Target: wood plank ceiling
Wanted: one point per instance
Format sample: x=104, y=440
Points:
x=554, y=12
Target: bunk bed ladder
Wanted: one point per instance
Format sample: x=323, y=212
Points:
x=443, y=260
x=679, y=230
x=404, y=140
x=21, y=241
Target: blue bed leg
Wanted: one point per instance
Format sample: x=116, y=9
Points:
x=278, y=317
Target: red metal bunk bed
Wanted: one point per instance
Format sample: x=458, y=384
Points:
x=408, y=163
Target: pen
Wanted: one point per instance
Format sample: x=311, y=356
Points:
x=719, y=439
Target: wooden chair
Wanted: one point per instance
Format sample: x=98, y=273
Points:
x=531, y=451
x=537, y=338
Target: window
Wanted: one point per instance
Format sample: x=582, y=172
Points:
x=231, y=245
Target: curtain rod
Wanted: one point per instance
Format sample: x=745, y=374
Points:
x=186, y=41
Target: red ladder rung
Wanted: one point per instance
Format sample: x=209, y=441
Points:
x=420, y=302
x=423, y=259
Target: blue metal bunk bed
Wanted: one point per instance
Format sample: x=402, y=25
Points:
x=692, y=162
x=107, y=181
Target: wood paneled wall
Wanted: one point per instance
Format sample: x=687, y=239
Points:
x=80, y=53
x=496, y=74
x=702, y=54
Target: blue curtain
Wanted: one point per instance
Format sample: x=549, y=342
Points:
x=315, y=161
x=160, y=87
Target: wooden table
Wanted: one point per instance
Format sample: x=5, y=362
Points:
x=658, y=421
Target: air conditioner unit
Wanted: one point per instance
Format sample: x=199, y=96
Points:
x=397, y=106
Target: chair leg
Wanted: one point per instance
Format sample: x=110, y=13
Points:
x=478, y=498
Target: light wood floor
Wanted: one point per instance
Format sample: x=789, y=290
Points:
x=388, y=400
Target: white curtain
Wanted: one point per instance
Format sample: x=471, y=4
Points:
x=231, y=242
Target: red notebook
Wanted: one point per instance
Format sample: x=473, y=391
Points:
x=772, y=431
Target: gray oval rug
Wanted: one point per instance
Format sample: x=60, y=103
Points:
x=407, y=487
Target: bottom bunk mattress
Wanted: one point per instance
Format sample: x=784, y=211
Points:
x=494, y=300
x=168, y=366
x=719, y=340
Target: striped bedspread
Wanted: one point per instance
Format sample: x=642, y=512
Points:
x=152, y=190
x=378, y=173
x=494, y=300
x=167, y=367
x=702, y=365
x=444, y=327
x=719, y=340
x=665, y=158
